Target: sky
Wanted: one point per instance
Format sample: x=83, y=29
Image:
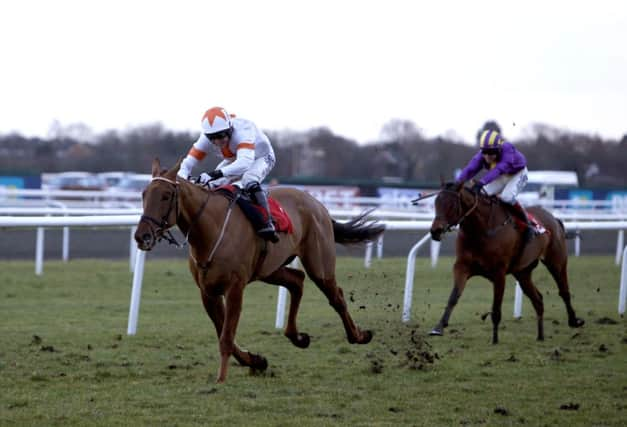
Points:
x=351, y=66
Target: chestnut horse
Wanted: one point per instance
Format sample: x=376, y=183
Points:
x=489, y=244
x=225, y=254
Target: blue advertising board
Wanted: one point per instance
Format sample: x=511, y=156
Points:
x=618, y=198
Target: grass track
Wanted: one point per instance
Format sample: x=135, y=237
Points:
x=65, y=358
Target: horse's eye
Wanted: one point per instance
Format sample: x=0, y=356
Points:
x=165, y=197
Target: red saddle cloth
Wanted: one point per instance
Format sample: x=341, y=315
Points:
x=281, y=219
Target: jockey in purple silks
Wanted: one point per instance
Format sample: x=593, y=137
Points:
x=506, y=177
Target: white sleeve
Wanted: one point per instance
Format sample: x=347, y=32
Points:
x=243, y=161
x=223, y=163
x=196, y=154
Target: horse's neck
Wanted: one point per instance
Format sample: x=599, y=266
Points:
x=485, y=215
x=195, y=205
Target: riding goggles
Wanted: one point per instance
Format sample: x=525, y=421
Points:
x=218, y=135
x=490, y=151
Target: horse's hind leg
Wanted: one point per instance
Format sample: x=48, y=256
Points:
x=292, y=280
x=325, y=281
x=527, y=286
x=335, y=295
x=557, y=268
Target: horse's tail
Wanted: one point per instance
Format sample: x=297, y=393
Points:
x=357, y=230
x=569, y=234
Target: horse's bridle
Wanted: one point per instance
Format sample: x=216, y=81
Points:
x=462, y=215
x=163, y=227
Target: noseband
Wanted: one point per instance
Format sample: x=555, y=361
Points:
x=163, y=227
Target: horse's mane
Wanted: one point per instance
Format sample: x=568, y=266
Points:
x=451, y=186
x=454, y=186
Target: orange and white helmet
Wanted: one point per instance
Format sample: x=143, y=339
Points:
x=215, y=119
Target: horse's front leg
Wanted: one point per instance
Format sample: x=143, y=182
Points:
x=234, y=294
x=497, y=303
x=460, y=274
x=214, y=306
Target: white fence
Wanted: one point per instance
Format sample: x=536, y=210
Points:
x=131, y=220
x=101, y=209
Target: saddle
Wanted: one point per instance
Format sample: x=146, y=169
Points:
x=255, y=213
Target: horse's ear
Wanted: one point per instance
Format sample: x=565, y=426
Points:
x=173, y=171
x=177, y=166
x=156, y=167
x=460, y=186
x=442, y=182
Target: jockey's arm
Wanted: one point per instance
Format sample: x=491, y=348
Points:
x=503, y=167
x=223, y=163
x=244, y=158
x=196, y=154
x=472, y=168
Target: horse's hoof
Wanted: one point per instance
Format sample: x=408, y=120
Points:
x=258, y=362
x=301, y=340
x=437, y=332
x=576, y=323
x=366, y=337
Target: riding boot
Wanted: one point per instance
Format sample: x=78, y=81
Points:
x=521, y=213
x=268, y=232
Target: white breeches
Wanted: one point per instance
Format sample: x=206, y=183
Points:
x=507, y=187
x=260, y=168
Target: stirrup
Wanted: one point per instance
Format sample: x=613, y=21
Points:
x=269, y=233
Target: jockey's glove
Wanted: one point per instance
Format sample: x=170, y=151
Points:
x=476, y=188
x=204, y=178
x=216, y=174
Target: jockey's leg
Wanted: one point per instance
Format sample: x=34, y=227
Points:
x=514, y=185
x=268, y=231
x=521, y=213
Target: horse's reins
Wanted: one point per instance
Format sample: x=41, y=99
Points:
x=470, y=210
x=164, y=226
x=220, y=237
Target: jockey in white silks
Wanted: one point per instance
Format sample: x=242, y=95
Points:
x=247, y=155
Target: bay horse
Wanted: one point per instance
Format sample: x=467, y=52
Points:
x=489, y=244
x=225, y=254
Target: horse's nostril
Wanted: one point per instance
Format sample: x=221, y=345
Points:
x=436, y=234
x=143, y=240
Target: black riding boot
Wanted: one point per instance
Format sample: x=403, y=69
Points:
x=521, y=213
x=268, y=232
